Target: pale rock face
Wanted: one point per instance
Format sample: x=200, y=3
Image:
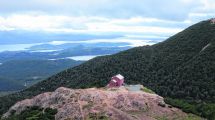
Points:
x=119, y=104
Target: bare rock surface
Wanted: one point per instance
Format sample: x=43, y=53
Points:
x=100, y=103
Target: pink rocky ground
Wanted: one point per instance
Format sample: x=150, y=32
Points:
x=93, y=103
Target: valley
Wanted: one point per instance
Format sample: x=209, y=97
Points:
x=21, y=69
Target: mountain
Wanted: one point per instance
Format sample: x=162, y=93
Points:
x=100, y=103
x=19, y=69
x=181, y=69
x=17, y=73
x=68, y=45
x=45, y=54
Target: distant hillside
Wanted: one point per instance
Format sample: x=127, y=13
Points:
x=17, y=73
x=181, y=68
x=79, y=50
x=36, y=63
x=9, y=85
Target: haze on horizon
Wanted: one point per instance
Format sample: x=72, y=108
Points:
x=136, y=20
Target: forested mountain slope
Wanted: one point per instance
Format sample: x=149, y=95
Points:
x=14, y=74
x=181, y=67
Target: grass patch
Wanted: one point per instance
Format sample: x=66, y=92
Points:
x=88, y=106
x=144, y=89
x=97, y=116
x=205, y=110
x=192, y=117
x=34, y=113
x=161, y=118
x=136, y=112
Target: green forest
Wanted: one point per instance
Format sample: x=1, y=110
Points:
x=15, y=73
x=181, y=69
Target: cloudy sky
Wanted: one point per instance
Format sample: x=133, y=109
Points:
x=133, y=18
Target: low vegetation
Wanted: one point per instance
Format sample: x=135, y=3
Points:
x=34, y=113
x=193, y=117
x=206, y=110
x=88, y=106
x=147, y=90
x=97, y=116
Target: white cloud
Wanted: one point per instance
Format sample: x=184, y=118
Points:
x=83, y=24
x=132, y=42
x=165, y=9
x=203, y=12
x=154, y=10
x=127, y=17
x=39, y=22
x=208, y=4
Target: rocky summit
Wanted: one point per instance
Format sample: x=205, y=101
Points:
x=102, y=103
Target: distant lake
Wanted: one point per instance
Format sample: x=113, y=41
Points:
x=84, y=58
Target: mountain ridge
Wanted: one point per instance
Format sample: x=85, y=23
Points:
x=162, y=67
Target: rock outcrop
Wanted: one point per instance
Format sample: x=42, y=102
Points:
x=94, y=103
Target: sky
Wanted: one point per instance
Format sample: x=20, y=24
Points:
x=131, y=18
